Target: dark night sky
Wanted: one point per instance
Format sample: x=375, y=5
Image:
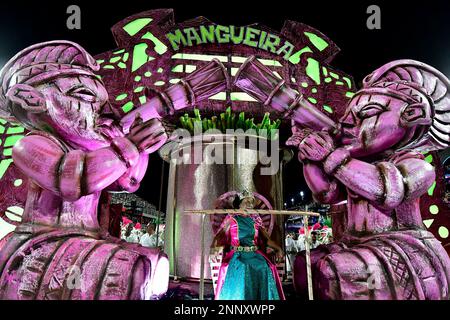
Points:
x=408, y=30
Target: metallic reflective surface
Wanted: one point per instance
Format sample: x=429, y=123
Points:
x=197, y=186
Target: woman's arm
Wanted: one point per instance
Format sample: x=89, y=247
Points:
x=217, y=238
x=268, y=240
x=215, y=248
x=220, y=235
x=265, y=235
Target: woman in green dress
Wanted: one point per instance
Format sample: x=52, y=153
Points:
x=246, y=273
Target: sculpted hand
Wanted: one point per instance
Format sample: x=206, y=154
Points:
x=108, y=128
x=298, y=134
x=316, y=146
x=147, y=136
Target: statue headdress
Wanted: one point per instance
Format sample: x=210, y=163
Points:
x=417, y=82
x=246, y=194
x=41, y=63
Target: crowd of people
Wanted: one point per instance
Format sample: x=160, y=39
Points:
x=148, y=235
x=295, y=241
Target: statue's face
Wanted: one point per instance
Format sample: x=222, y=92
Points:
x=74, y=104
x=371, y=124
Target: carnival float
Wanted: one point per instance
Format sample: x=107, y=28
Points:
x=75, y=127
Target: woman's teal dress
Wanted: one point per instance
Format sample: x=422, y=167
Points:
x=247, y=275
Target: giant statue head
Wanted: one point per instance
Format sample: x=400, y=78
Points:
x=403, y=104
x=52, y=87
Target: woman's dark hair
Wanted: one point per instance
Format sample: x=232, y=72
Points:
x=236, y=202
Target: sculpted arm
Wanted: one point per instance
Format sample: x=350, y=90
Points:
x=75, y=173
x=130, y=180
x=148, y=137
x=313, y=149
x=325, y=188
x=386, y=184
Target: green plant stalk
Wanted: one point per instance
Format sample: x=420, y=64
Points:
x=190, y=126
x=197, y=114
x=248, y=124
x=230, y=120
x=265, y=120
x=223, y=121
x=241, y=121
x=183, y=122
x=197, y=123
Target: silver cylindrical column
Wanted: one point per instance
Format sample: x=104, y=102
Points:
x=211, y=166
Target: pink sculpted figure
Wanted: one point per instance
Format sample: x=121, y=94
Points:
x=70, y=155
x=373, y=159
